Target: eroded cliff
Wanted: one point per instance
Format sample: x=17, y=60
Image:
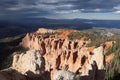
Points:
x=60, y=53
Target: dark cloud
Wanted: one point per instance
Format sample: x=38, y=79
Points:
x=55, y=7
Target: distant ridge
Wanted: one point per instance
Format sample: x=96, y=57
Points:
x=10, y=28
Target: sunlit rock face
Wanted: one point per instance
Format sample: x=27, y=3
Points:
x=55, y=57
x=61, y=53
x=29, y=65
x=44, y=30
x=30, y=62
x=64, y=75
x=98, y=57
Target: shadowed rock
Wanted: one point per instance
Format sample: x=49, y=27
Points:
x=11, y=74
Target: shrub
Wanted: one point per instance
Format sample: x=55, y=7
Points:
x=113, y=69
x=75, y=35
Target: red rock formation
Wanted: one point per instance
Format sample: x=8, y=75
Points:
x=65, y=33
x=109, y=58
x=61, y=53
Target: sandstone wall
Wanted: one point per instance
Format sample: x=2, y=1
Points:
x=51, y=56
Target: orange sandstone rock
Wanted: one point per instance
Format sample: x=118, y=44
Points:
x=63, y=54
x=109, y=58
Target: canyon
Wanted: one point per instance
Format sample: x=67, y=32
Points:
x=52, y=55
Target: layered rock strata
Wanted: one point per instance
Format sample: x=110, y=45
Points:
x=61, y=53
x=57, y=55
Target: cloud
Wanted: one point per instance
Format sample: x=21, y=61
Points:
x=76, y=11
x=117, y=7
x=97, y=10
x=67, y=11
x=62, y=12
x=14, y=8
x=58, y=4
x=117, y=12
x=57, y=7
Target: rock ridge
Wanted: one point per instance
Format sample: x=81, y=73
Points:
x=57, y=54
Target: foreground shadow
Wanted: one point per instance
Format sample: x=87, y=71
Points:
x=95, y=73
x=31, y=76
x=100, y=75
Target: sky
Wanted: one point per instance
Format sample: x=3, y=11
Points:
x=60, y=9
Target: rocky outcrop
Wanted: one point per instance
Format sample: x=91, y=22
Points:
x=109, y=58
x=30, y=63
x=95, y=66
x=44, y=30
x=61, y=53
x=57, y=57
x=65, y=33
x=98, y=57
x=64, y=75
